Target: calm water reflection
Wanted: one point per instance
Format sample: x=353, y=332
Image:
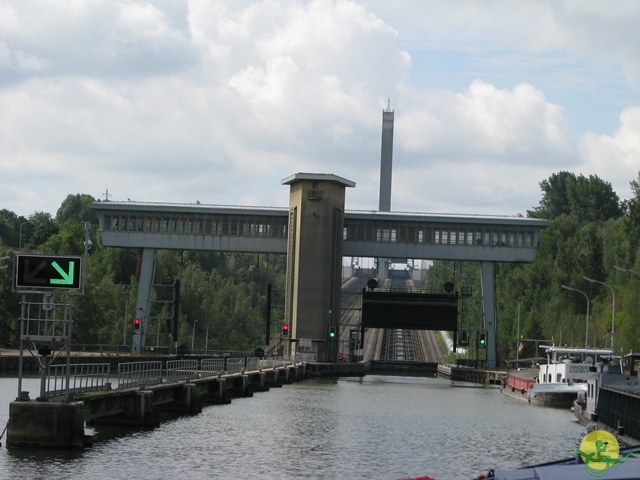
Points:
x=375, y=427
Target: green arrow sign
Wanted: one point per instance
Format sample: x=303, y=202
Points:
x=67, y=277
x=43, y=271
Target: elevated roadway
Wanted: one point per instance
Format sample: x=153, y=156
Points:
x=485, y=239
x=373, y=234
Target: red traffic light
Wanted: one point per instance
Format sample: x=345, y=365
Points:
x=136, y=323
x=285, y=329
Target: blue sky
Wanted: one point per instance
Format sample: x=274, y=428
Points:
x=217, y=101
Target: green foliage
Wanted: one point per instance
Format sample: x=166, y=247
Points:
x=224, y=294
x=76, y=207
x=590, y=199
x=589, y=234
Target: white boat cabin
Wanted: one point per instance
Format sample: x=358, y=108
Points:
x=572, y=364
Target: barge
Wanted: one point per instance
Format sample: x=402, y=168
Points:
x=557, y=382
x=612, y=401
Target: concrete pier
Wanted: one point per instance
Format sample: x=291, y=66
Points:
x=46, y=425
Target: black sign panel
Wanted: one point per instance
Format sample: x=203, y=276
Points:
x=412, y=311
x=42, y=271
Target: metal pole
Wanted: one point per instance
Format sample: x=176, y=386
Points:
x=193, y=335
x=23, y=330
x=20, y=241
x=127, y=289
x=206, y=341
x=67, y=393
x=613, y=305
x=586, y=335
x=518, y=337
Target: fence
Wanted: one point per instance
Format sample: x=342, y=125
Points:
x=182, y=370
x=212, y=366
x=95, y=377
x=88, y=377
x=134, y=374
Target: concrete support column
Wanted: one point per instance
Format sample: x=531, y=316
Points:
x=147, y=269
x=191, y=401
x=314, y=262
x=489, y=311
x=46, y=425
x=144, y=414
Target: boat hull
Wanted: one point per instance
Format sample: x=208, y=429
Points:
x=522, y=384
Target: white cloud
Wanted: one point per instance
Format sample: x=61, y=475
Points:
x=615, y=158
x=485, y=123
x=218, y=101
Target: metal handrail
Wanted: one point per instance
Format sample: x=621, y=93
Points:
x=83, y=377
x=182, y=369
x=211, y=366
x=235, y=365
x=134, y=374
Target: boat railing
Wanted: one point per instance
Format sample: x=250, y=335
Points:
x=533, y=362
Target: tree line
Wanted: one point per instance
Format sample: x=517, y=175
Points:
x=591, y=232
x=221, y=294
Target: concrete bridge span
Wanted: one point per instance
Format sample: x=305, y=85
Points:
x=315, y=232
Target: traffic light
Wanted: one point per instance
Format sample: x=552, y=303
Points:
x=483, y=340
x=136, y=323
x=332, y=332
x=285, y=330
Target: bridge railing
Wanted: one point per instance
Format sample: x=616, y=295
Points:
x=95, y=376
x=272, y=362
x=252, y=363
x=211, y=366
x=235, y=365
x=182, y=370
x=84, y=377
x=133, y=374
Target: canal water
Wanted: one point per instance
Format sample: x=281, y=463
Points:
x=376, y=427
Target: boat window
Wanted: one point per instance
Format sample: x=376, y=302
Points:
x=549, y=378
x=559, y=378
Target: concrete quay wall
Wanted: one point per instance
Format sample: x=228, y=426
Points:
x=58, y=424
x=473, y=375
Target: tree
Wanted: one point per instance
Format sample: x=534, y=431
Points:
x=590, y=199
x=632, y=219
x=76, y=207
x=44, y=227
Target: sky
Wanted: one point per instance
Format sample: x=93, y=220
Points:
x=217, y=101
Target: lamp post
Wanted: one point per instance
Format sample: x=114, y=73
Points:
x=20, y=229
x=193, y=335
x=627, y=270
x=613, y=305
x=586, y=335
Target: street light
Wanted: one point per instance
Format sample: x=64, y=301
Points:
x=613, y=305
x=626, y=270
x=20, y=244
x=193, y=335
x=586, y=335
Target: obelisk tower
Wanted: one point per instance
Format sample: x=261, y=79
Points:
x=386, y=159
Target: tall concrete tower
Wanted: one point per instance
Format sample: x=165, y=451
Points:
x=386, y=159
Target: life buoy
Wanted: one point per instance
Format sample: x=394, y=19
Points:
x=340, y=356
